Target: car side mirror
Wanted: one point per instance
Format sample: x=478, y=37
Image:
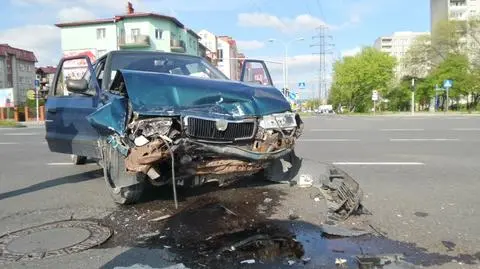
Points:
x=77, y=85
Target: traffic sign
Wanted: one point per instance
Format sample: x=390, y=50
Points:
x=374, y=95
x=447, y=83
x=30, y=94
x=292, y=95
x=302, y=85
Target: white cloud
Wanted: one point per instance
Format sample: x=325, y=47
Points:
x=43, y=40
x=250, y=44
x=74, y=14
x=34, y=2
x=351, y=52
x=303, y=22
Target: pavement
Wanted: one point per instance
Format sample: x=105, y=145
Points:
x=420, y=177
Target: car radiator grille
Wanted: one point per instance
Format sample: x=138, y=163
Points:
x=205, y=129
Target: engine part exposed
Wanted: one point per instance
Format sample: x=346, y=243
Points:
x=141, y=158
x=219, y=167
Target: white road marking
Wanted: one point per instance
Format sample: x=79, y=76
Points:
x=21, y=134
x=378, y=163
x=9, y=143
x=332, y=130
x=402, y=130
x=67, y=164
x=423, y=139
x=329, y=140
x=466, y=129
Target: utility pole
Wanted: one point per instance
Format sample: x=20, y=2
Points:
x=324, y=44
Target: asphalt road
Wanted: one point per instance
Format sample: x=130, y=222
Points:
x=420, y=176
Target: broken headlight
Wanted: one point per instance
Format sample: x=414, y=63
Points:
x=279, y=121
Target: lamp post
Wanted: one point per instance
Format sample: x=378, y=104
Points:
x=285, y=64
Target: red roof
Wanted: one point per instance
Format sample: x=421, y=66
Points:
x=21, y=54
x=124, y=16
x=47, y=69
x=119, y=18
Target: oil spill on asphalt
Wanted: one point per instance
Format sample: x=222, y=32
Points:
x=220, y=229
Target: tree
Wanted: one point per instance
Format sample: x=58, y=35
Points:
x=356, y=76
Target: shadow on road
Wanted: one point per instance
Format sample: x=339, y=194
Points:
x=54, y=182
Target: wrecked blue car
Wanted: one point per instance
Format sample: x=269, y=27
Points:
x=154, y=118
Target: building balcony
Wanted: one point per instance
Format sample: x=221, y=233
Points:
x=177, y=45
x=134, y=41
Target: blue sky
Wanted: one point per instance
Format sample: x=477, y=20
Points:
x=352, y=23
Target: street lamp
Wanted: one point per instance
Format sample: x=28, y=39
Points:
x=285, y=64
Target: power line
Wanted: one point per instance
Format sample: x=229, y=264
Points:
x=325, y=45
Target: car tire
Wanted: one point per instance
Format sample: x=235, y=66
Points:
x=78, y=160
x=114, y=172
x=275, y=172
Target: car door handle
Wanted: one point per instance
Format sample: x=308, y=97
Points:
x=52, y=110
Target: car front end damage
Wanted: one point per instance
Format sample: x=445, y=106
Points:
x=205, y=149
x=195, y=130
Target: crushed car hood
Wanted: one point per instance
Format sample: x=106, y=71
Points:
x=165, y=95
x=157, y=94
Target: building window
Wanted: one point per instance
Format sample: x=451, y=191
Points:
x=135, y=32
x=220, y=55
x=101, y=33
x=158, y=34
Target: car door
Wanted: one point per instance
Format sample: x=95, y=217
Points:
x=67, y=129
x=255, y=71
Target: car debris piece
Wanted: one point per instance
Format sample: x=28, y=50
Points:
x=290, y=262
x=381, y=261
x=251, y=261
x=148, y=235
x=141, y=141
x=340, y=261
x=160, y=218
x=305, y=181
x=341, y=231
x=267, y=200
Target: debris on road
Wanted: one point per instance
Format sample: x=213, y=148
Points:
x=148, y=235
x=341, y=231
x=317, y=199
x=449, y=245
x=267, y=200
x=250, y=261
x=160, y=218
x=305, y=181
x=340, y=261
x=290, y=262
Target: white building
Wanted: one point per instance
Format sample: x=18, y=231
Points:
x=452, y=10
x=397, y=46
x=227, y=54
x=458, y=10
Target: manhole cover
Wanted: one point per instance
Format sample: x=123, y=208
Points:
x=52, y=239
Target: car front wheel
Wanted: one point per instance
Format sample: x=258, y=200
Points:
x=124, y=188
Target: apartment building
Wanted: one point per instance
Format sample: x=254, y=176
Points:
x=397, y=46
x=228, y=57
x=210, y=41
x=133, y=30
x=17, y=71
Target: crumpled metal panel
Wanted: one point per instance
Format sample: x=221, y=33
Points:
x=142, y=158
x=166, y=95
x=111, y=117
x=219, y=167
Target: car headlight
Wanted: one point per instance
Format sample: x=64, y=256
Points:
x=278, y=121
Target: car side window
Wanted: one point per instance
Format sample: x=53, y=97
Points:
x=74, y=68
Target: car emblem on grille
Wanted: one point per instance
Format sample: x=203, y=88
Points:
x=221, y=125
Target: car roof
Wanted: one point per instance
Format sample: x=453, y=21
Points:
x=143, y=52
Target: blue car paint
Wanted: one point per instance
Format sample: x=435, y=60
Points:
x=111, y=116
x=67, y=129
x=165, y=95
x=158, y=94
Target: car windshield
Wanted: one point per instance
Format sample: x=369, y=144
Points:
x=166, y=63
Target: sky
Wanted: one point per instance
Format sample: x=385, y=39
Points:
x=351, y=24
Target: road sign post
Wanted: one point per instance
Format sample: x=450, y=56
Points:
x=447, y=84
x=413, y=96
x=37, y=88
x=374, y=99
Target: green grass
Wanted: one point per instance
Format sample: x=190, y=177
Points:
x=9, y=124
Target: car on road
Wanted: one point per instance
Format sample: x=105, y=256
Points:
x=156, y=118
